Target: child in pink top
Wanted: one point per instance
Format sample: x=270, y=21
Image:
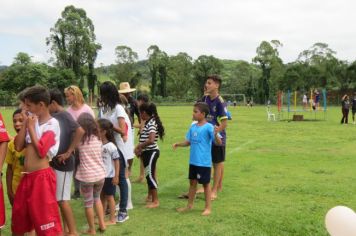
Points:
x=91, y=171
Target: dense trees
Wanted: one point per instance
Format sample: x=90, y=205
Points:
x=271, y=66
x=172, y=77
x=24, y=73
x=158, y=63
x=125, y=59
x=72, y=40
x=180, y=80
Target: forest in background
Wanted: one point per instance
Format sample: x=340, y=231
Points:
x=171, y=78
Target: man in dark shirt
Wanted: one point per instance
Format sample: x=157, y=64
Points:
x=63, y=163
x=133, y=107
x=218, y=118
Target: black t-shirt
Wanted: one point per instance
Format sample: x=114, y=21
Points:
x=133, y=108
x=354, y=104
x=68, y=127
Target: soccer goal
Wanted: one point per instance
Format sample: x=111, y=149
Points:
x=239, y=98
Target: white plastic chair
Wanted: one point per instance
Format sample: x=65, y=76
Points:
x=270, y=116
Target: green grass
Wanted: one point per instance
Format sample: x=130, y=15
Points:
x=280, y=178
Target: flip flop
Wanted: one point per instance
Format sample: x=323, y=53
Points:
x=183, y=196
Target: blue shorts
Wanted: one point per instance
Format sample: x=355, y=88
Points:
x=200, y=173
x=109, y=188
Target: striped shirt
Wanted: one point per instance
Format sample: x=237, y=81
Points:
x=91, y=166
x=150, y=127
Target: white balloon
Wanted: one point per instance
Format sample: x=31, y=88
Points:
x=341, y=221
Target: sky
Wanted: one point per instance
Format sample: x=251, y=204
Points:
x=227, y=29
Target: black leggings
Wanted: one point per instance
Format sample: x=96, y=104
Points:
x=149, y=159
x=345, y=116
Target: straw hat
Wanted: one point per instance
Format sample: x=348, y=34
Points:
x=125, y=88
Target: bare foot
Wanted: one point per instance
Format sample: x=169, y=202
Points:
x=213, y=196
x=206, y=212
x=152, y=205
x=184, y=209
x=200, y=190
x=110, y=222
x=183, y=196
x=139, y=180
x=88, y=232
x=149, y=199
x=66, y=234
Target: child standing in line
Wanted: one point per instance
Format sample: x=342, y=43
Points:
x=148, y=148
x=200, y=138
x=111, y=158
x=141, y=99
x=35, y=204
x=91, y=171
x=64, y=162
x=4, y=139
x=15, y=160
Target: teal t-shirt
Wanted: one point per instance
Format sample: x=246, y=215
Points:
x=201, y=139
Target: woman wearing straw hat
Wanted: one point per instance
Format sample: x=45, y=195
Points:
x=132, y=107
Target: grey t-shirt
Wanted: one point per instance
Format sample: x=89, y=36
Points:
x=68, y=127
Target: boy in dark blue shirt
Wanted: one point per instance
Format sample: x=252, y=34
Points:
x=218, y=118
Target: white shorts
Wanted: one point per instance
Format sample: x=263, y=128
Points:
x=130, y=155
x=64, y=185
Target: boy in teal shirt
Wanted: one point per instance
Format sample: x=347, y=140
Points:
x=200, y=138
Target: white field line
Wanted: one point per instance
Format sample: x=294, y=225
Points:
x=241, y=146
x=185, y=176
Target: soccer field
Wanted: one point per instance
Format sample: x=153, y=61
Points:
x=280, y=178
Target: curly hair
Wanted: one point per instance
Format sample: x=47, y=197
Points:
x=76, y=92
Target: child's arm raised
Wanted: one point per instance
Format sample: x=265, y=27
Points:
x=20, y=137
x=46, y=141
x=181, y=144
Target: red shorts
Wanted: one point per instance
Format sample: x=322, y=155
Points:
x=2, y=208
x=35, y=204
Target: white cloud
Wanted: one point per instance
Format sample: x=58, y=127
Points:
x=226, y=29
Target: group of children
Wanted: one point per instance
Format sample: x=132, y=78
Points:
x=49, y=140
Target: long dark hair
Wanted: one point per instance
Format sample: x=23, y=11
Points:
x=106, y=125
x=151, y=110
x=87, y=122
x=109, y=95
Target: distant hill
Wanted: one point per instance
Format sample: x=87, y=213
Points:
x=2, y=67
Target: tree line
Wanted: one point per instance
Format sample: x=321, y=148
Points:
x=73, y=44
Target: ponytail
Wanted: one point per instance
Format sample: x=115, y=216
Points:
x=151, y=110
x=106, y=125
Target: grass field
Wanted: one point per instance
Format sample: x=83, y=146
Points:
x=280, y=178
